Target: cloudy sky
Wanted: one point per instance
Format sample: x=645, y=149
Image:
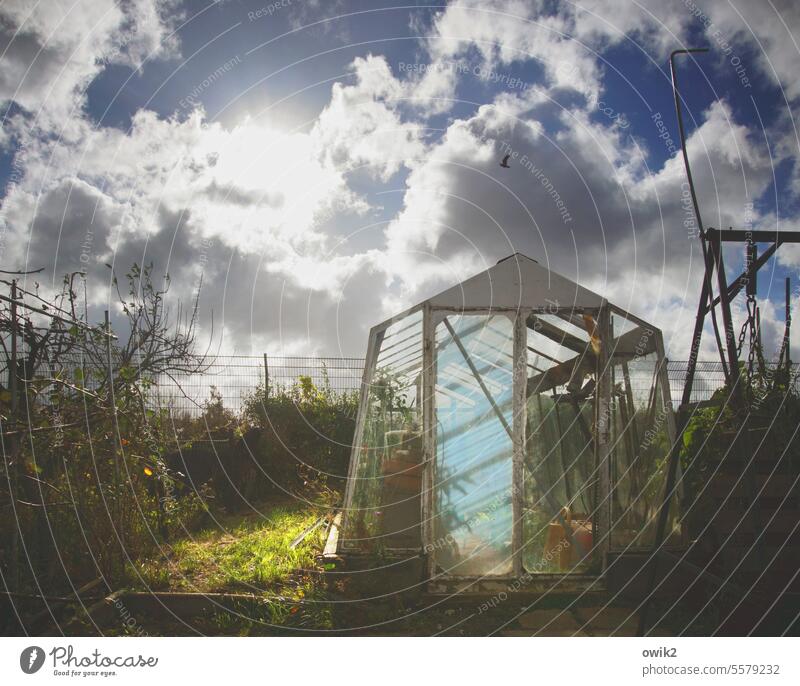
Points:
x=324, y=164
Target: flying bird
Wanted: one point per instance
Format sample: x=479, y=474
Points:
x=505, y=163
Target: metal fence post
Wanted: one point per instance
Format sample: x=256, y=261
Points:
x=14, y=443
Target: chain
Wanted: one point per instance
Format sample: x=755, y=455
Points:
x=752, y=326
x=749, y=326
x=743, y=332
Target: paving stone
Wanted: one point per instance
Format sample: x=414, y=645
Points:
x=608, y=620
x=554, y=621
x=662, y=632
x=548, y=634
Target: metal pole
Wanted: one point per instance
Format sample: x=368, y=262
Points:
x=519, y=378
x=706, y=296
x=672, y=468
x=674, y=75
x=603, y=418
x=266, y=376
x=707, y=287
x=788, y=330
x=12, y=378
x=429, y=433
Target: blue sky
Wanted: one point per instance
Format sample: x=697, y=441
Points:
x=325, y=164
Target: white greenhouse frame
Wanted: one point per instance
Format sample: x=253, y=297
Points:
x=526, y=292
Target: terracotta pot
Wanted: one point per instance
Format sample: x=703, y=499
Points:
x=583, y=536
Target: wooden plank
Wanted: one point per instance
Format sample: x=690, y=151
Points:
x=332, y=544
x=47, y=613
x=308, y=531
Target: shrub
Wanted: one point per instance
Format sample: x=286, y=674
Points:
x=304, y=435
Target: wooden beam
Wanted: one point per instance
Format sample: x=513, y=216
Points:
x=558, y=335
x=637, y=342
x=740, y=281
x=727, y=320
x=740, y=236
x=332, y=542
x=560, y=374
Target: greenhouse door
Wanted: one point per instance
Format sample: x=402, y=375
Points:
x=472, y=533
x=565, y=474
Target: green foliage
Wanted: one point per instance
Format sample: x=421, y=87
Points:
x=768, y=423
x=89, y=473
x=98, y=483
x=710, y=430
x=303, y=435
x=84, y=473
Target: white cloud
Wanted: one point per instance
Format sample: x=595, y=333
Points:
x=251, y=188
x=52, y=51
x=261, y=211
x=770, y=29
x=360, y=126
x=658, y=27
x=508, y=32
x=625, y=236
x=194, y=196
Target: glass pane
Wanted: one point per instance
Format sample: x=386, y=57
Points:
x=640, y=439
x=384, y=511
x=474, y=364
x=560, y=484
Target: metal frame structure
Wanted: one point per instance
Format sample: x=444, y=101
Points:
x=711, y=241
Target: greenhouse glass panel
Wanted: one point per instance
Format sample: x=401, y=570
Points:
x=474, y=413
x=640, y=437
x=385, y=503
x=559, y=472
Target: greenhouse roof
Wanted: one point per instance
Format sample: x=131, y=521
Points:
x=515, y=281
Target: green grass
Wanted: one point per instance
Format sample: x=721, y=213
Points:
x=244, y=554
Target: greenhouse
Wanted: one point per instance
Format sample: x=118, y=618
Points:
x=515, y=424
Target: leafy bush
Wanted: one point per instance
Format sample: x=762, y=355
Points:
x=721, y=433
x=304, y=434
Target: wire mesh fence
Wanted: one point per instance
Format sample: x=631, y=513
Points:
x=235, y=377
x=709, y=377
